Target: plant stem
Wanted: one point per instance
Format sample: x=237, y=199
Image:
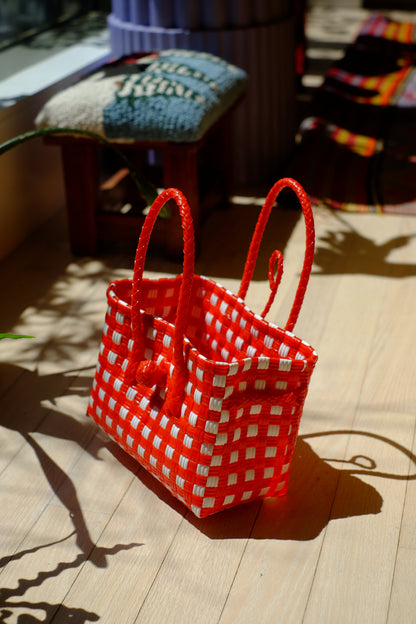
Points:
x=14, y=336
x=145, y=188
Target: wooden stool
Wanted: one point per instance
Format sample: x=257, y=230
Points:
x=180, y=159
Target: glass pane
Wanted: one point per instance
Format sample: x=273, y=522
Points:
x=20, y=18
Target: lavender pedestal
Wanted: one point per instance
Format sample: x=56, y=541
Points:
x=256, y=35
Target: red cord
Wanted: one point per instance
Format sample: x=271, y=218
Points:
x=275, y=266
x=258, y=235
x=177, y=383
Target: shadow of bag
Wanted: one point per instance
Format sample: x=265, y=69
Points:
x=200, y=390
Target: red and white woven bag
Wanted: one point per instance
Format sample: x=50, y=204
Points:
x=204, y=393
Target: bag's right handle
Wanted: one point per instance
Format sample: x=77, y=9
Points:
x=258, y=235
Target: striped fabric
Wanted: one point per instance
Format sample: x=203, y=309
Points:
x=358, y=143
x=363, y=125
x=382, y=90
x=380, y=26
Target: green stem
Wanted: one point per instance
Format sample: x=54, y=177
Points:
x=145, y=188
x=14, y=336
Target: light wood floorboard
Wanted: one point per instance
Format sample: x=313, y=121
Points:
x=87, y=535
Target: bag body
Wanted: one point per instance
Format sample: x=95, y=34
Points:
x=203, y=392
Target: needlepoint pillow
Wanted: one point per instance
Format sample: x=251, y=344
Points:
x=171, y=95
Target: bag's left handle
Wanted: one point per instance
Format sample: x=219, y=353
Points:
x=138, y=365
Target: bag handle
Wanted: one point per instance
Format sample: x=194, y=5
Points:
x=147, y=371
x=276, y=257
x=275, y=276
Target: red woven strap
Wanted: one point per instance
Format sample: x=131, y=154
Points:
x=275, y=267
x=256, y=240
x=140, y=368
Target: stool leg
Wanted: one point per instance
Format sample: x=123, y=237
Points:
x=222, y=157
x=81, y=187
x=180, y=170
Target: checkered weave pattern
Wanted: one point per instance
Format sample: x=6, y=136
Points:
x=204, y=393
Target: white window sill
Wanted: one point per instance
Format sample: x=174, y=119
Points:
x=84, y=56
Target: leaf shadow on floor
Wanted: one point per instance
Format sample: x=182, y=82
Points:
x=345, y=250
x=29, y=420
x=319, y=493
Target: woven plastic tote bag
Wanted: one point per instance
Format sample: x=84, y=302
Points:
x=204, y=393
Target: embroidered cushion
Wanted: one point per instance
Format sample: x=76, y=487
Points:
x=172, y=95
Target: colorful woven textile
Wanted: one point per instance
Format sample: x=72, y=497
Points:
x=204, y=393
x=379, y=26
x=363, y=125
x=173, y=95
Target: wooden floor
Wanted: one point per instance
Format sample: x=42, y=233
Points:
x=88, y=536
